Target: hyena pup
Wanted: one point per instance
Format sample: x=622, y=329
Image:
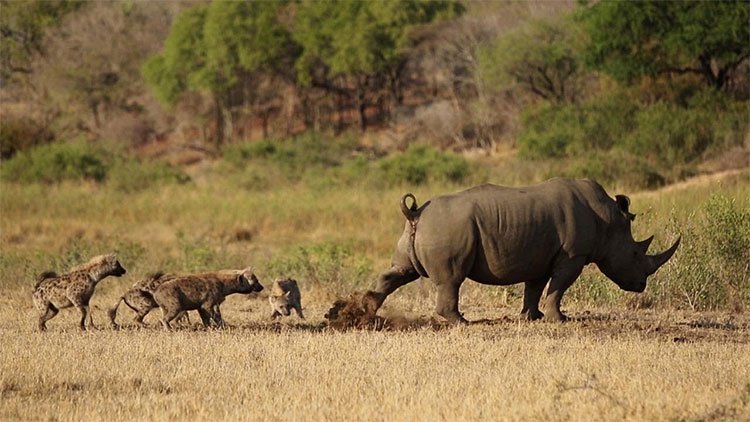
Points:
x=53, y=292
x=202, y=292
x=141, y=301
x=284, y=296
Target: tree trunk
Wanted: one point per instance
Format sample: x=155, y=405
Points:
x=218, y=121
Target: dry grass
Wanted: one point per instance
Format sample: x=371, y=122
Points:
x=607, y=363
x=601, y=366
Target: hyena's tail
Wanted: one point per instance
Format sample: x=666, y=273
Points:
x=43, y=276
x=112, y=312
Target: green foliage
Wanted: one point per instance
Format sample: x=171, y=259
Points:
x=326, y=264
x=360, y=38
x=634, y=39
x=552, y=130
x=421, y=164
x=664, y=135
x=293, y=155
x=57, y=162
x=210, y=47
x=132, y=175
x=182, y=65
x=728, y=228
x=542, y=56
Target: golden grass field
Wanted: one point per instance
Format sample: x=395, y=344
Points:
x=615, y=362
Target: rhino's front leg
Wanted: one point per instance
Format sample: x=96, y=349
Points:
x=447, y=302
x=388, y=282
x=563, y=276
x=532, y=292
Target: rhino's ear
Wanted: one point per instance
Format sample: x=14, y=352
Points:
x=623, y=202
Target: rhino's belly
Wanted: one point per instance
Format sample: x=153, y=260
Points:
x=506, y=270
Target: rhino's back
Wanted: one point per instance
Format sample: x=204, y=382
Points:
x=503, y=235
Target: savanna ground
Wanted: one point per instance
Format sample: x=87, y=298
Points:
x=680, y=351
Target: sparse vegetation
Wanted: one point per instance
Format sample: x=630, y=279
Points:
x=284, y=139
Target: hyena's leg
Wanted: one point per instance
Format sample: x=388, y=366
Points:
x=298, y=309
x=183, y=318
x=84, y=309
x=216, y=316
x=139, y=315
x=205, y=316
x=168, y=314
x=47, y=314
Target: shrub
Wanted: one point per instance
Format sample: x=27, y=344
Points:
x=20, y=134
x=294, y=155
x=422, y=164
x=133, y=175
x=327, y=264
x=57, y=162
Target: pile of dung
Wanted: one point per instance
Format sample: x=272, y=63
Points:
x=353, y=314
x=350, y=314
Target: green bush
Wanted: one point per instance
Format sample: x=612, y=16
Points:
x=133, y=175
x=666, y=134
x=57, y=162
x=616, y=167
x=294, y=155
x=422, y=164
x=326, y=264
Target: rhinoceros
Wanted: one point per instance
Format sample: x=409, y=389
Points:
x=501, y=235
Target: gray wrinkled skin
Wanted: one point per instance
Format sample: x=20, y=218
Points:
x=535, y=235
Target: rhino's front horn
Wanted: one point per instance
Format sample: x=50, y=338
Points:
x=644, y=244
x=657, y=261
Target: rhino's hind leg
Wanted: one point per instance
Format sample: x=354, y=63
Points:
x=447, y=302
x=563, y=277
x=532, y=292
x=388, y=282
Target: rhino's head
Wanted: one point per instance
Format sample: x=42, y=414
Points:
x=626, y=261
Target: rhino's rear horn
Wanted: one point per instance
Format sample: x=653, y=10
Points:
x=657, y=261
x=644, y=244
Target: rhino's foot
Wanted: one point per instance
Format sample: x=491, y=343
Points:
x=532, y=314
x=555, y=316
x=455, y=318
x=372, y=301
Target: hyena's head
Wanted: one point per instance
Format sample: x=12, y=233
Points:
x=248, y=282
x=280, y=303
x=102, y=266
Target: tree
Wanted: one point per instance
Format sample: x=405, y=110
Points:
x=350, y=47
x=91, y=65
x=543, y=57
x=649, y=38
x=216, y=48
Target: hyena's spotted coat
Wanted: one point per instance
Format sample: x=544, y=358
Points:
x=139, y=300
x=202, y=292
x=53, y=292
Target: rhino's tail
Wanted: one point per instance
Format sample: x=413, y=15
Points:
x=412, y=215
x=410, y=212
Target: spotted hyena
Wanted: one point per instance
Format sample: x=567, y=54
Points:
x=53, y=292
x=284, y=297
x=202, y=292
x=142, y=302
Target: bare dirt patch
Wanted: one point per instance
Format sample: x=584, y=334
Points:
x=353, y=313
